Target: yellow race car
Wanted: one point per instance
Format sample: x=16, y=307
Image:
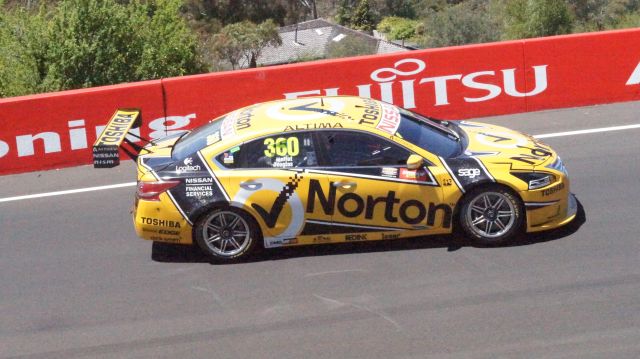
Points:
x=340, y=169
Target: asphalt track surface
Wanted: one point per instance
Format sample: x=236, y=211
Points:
x=76, y=282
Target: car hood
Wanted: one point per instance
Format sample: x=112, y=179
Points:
x=496, y=144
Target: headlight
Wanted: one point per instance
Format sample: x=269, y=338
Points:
x=535, y=180
x=558, y=166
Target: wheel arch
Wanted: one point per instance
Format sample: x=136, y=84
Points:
x=485, y=185
x=212, y=206
x=504, y=234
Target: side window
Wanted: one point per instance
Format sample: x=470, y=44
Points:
x=277, y=151
x=349, y=149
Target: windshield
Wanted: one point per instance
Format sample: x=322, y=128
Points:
x=428, y=134
x=197, y=139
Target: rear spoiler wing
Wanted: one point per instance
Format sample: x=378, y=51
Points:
x=106, y=152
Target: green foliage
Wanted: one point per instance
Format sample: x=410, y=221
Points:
x=92, y=43
x=425, y=8
x=84, y=43
x=245, y=41
x=548, y=17
x=175, y=54
x=460, y=24
x=346, y=9
x=266, y=34
x=232, y=11
x=401, y=8
x=536, y=18
x=446, y=22
x=20, y=59
x=595, y=15
x=358, y=15
x=589, y=12
x=398, y=28
x=628, y=20
x=228, y=44
x=515, y=20
x=344, y=13
x=23, y=40
x=363, y=18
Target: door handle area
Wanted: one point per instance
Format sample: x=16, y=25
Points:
x=251, y=185
x=345, y=185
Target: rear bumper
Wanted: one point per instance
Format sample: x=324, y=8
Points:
x=160, y=221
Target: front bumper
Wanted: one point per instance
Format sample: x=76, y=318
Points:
x=566, y=210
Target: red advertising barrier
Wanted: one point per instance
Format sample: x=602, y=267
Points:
x=586, y=69
x=56, y=130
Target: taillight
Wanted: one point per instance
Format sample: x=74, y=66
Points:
x=151, y=191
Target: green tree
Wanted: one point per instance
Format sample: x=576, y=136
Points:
x=515, y=19
x=176, y=52
x=92, y=43
x=628, y=20
x=363, y=18
x=548, y=17
x=23, y=42
x=266, y=34
x=344, y=14
x=228, y=44
x=536, y=18
x=460, y=24
x=83, y=43
x=595, y=15
x=426, y=8
x=18, y=74
x=228, y=12
x=398, y=28
x=243, y=42
x=400, y=8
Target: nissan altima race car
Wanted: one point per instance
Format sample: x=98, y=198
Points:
x=338, y=169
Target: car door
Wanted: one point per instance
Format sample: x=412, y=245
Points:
x=373, y=193
x=267, y=178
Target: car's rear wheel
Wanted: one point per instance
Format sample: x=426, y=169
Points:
x=226, y=235
x=491, y=216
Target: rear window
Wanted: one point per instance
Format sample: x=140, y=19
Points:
x=198, y=139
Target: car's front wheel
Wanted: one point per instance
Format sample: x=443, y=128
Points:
x=226, y=235
x=491, y=216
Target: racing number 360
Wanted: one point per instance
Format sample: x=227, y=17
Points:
x=282, y=146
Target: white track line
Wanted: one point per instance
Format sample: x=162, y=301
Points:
x=592, y=130
x=60, y=193
x=130, y=184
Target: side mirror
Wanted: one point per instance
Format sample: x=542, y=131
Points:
x=414, y=162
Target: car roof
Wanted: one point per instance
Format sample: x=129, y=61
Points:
x=309, y=113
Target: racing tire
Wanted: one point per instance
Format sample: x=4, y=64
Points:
x=491, y=216
x=227, y=235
